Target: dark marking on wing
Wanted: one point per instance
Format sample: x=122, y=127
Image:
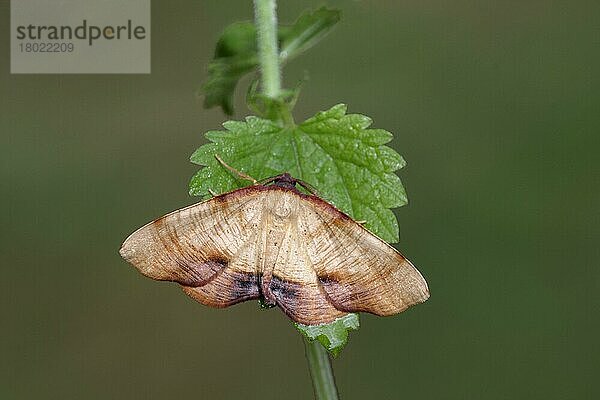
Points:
x=227, y=288
x=284, y=291
x=305, y=304
x=245, y=283
x=328, y=279
x=337, y=293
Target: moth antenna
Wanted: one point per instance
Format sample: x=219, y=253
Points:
x=309, y=187
x=212, y=192
x=235, y=171
x=362, y=222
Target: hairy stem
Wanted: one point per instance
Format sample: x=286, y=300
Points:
x=321, y=372
x=268, y=53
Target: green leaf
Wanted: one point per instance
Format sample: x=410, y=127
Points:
x=308, y=30
x=333, y=336
x=235, y=56
x=236, y=52
x=335, y=152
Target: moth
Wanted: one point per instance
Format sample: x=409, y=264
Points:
x=273, y=242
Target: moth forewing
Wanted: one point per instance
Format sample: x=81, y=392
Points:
x=184, y=245
x=357, y=270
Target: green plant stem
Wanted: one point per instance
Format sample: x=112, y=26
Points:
x=321, y=372
x=268, y=53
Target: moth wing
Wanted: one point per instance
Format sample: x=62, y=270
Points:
x=295, y=284
x=199, y=247
x=358, y=271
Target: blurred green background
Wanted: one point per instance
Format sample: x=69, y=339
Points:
x=494, y=104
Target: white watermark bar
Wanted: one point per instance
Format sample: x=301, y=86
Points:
x=80, y=37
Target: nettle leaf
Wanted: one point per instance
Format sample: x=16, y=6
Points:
x=236, y=53
x=333, y=336
x=235, y=56
x=335, y=152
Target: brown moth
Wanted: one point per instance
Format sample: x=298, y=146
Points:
x=272, y=241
